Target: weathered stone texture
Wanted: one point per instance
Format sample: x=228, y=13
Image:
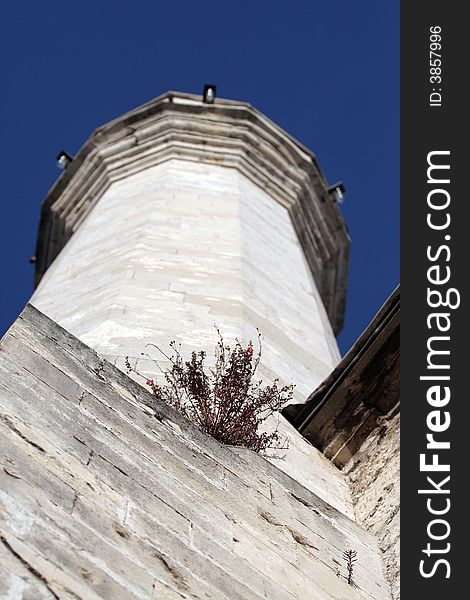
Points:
x=170, y=251
x=105, y=494
x=375, y=481
x=343, y=411
x=353, y=418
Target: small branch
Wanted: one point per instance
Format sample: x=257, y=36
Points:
x=350, y=557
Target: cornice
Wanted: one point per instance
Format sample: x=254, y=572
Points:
x=227, y=133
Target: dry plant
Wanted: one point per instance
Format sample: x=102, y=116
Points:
x=224, y=401
x=350, y=557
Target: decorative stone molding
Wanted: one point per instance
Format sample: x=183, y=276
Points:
x=227, y=133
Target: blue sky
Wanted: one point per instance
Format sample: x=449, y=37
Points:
x=327, y=72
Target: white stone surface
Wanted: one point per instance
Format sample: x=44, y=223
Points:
x=170, y=251
x=107, y=493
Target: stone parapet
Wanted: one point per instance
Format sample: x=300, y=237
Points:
x=107, y=494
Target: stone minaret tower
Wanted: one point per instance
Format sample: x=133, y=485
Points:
x=181, y=214
x=174, y=217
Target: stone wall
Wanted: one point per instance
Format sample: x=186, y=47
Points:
x=105, y=494
x=375, y=483
x=353, y=418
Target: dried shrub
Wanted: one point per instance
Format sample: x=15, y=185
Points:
x=350, y=557
x=224, y=401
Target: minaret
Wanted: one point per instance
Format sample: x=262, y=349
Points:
x=182, y=214
x=177, y=216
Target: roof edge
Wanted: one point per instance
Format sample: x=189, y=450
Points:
x=300, y=415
